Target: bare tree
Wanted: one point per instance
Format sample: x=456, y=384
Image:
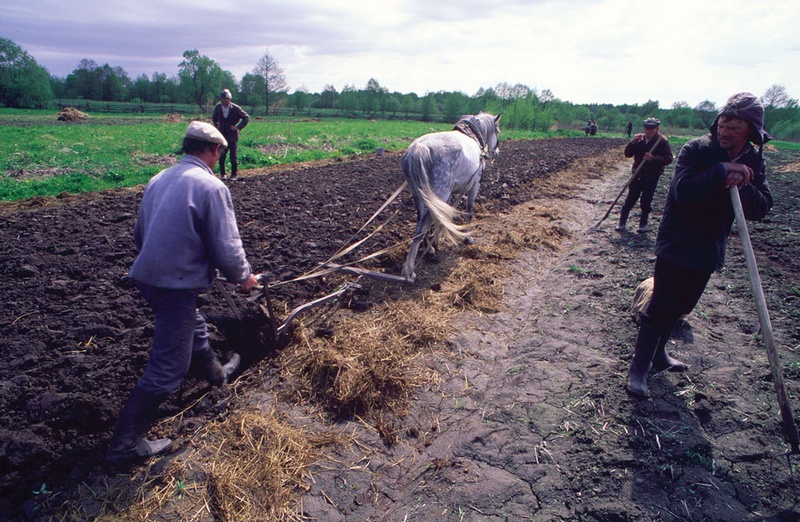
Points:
x=274, y=79
x=775, y=96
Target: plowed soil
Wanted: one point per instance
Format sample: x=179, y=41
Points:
x=528, y=418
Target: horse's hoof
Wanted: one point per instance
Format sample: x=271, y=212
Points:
x=468, y=240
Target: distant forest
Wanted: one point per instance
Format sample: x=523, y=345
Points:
x=264, y=91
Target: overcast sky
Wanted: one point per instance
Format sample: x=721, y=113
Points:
x=584, y=51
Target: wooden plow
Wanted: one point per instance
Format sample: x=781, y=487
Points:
x=328, y=267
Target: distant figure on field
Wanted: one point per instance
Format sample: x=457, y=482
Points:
x=593, y=128
x=588, y=127
x=651, y=153
x=230, y=119
x=694, y=231
x=629, y=128
x=185, y=231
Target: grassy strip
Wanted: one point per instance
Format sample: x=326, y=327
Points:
x=42, y=157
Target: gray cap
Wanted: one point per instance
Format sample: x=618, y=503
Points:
x=202, y=131
x=651, y=123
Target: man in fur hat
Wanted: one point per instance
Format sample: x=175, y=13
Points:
x=697, y=220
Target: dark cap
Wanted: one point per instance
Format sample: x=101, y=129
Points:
x=651, y=123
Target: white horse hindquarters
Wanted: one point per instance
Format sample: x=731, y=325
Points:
x=440, y=166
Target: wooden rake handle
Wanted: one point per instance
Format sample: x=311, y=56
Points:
x=766, y=324
x=630, y=180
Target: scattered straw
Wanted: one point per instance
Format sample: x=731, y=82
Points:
x=259, y=467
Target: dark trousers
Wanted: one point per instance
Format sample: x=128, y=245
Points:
x=676, y=291
x=233, y=145
x=181, y=334
x=639, y=188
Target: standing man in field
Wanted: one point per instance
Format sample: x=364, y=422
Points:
x=651, y=153
x=230, y=119
x=185, y=231
x=697, y=220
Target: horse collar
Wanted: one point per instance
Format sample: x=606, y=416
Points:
x=468, y=125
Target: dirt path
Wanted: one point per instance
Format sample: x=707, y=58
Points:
x=530, y=420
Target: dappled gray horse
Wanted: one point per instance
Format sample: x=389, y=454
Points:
x=440, y=168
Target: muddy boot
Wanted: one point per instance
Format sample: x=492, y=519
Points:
x=646, y=345
x=663, y=362
x=210, y=369
x=128, y=444
x=643, y=223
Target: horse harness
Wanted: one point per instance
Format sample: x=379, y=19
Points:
x=468, y=125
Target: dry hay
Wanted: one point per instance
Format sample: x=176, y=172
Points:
x=259, y=467
x=251, y=466
x=71, y=114
x=174, y=118
x=790, y=167
x=367, y=364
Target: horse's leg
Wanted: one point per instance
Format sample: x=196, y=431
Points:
x=420, y=233
x=471, y=195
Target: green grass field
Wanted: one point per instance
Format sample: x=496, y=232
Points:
x=40, y=156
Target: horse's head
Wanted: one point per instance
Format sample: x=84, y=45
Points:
x=490, y=129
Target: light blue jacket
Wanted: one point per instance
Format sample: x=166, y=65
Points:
x=186, y=229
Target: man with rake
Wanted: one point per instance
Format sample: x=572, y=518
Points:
x=697, y=221
x=651, y=153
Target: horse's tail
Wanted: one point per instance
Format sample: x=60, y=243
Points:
x=443, y=215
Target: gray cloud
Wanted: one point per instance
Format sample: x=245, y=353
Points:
x=585, y=51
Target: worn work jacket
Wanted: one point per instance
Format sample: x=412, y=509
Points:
x=698, y=214
x=236, y=116
x=662, y=156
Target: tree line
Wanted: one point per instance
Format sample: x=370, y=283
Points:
x=264, y=90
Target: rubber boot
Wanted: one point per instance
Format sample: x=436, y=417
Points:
x=128, y=443
x=623, y=220
x=646, y=345
x=222, y=170
x=210, y=369
x=662, y=360
x=643, y=223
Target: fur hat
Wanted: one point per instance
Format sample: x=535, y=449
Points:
x=749, y=108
